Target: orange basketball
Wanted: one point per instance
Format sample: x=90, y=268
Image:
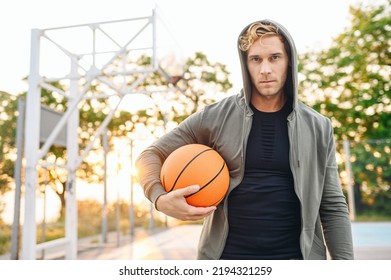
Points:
x=196, y=164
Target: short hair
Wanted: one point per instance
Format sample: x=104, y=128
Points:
x=259, y=30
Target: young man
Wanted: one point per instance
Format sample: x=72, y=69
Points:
x=285, y=200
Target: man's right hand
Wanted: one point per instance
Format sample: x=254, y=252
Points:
x=174, y=204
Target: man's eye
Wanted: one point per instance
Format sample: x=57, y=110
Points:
x=275, y=57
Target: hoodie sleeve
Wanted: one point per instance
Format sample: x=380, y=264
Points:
x=150, y=161
x=334, y=211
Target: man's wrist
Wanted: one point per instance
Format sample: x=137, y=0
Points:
x=156, y=201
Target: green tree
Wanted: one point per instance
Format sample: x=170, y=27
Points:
x=204, y=83
x=8, y=115
x=350, y=83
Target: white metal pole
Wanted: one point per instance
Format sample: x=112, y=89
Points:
x=32, y=128
x=104, y=207
x=72, y=152
x=348, y=168
x=154, y=39
x=18, y=182
x=43, y=224
x=117, y=208
x=151, y=220
x=131, y=206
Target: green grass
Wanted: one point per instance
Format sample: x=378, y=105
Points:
x=372, y=217
x=5, y=238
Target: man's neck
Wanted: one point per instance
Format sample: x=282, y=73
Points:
x=268, y=104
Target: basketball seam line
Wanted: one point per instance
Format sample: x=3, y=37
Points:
x=184, y=168
x=204, y=186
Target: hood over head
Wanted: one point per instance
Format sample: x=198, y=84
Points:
x=291, y=86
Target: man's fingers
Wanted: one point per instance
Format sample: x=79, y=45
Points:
x=187, y=191
x=197, y=213
x=174, y=204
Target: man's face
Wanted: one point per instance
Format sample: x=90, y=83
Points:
x=267, y=63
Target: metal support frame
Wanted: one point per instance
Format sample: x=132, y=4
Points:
x=31, y=147
x=350, y=187
x=18, y=181
x=79, y=74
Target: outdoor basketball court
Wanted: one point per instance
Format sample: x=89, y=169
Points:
x=372, y=241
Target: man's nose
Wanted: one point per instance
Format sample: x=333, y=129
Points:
x=265, y=68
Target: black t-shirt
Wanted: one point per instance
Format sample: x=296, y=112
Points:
x=264, y=211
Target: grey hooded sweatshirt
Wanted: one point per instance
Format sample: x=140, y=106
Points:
x=225, y=127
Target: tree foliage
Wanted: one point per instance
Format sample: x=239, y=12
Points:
x=8, y=115
x=350, y=83
x=186, y=94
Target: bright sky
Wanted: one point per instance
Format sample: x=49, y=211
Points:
x=209, y=26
